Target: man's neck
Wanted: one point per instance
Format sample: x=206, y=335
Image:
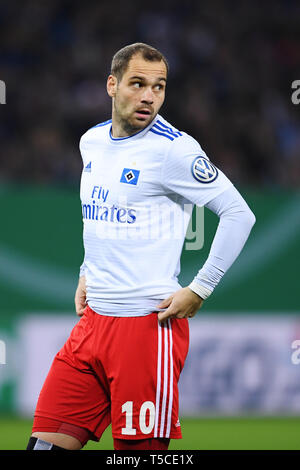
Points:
x=118, y=130
x=121, y=128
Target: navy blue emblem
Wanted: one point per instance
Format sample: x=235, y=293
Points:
x=130, y=176
x=203, y=170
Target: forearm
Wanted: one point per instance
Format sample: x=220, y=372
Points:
x=236, y=222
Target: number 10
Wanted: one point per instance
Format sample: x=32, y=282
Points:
x=127, y=408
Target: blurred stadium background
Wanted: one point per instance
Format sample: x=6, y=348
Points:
x=232, y=65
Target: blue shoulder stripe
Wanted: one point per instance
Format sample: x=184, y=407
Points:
x=161, y=133
x=168, y=127
x=165, y=131
x=102, y=124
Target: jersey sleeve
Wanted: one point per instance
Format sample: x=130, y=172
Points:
x=82, y=270
x=236, y=222
x=187, y=170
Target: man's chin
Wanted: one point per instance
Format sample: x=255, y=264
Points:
x=136, y=125
x=142, y=122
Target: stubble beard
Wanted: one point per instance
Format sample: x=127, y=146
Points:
x=127, y=126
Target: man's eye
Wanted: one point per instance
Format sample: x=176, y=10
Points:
x=136, y=84
x=158, y=87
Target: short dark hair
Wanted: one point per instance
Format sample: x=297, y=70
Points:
x=121, y=58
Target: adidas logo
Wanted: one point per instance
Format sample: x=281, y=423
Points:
x=88, y=167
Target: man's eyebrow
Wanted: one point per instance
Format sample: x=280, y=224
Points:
x=142, y=78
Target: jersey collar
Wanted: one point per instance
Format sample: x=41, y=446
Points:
x=118, y=140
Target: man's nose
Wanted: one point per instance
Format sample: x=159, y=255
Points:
x=147, y=96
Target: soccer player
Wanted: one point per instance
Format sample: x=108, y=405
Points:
x=141, y=178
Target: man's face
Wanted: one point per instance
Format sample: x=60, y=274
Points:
x=139, y=95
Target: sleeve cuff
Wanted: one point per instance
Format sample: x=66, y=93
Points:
x=203, y=292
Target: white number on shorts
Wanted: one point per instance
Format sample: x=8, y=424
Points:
x=147, y=405
x=128, y=409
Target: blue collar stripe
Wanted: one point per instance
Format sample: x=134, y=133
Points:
x=124, y=138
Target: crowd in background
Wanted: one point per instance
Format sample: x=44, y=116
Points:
x=231, y=68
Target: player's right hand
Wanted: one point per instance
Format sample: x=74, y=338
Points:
x=184, y=303
x=80, y=297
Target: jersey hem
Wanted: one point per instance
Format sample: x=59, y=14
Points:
x=118, y=315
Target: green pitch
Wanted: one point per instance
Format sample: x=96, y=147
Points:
x=213, y=433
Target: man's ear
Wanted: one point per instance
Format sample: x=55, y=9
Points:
x=111, y=85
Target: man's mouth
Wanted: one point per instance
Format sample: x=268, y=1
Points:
x=143, y=113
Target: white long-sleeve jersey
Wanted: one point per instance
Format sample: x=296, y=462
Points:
x=137, y=196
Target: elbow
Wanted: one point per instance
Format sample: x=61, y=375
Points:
x=250, y=219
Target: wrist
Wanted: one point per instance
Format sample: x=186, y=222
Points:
x=200, y=290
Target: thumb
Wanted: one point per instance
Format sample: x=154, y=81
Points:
x=165, y=303
x=162, y=316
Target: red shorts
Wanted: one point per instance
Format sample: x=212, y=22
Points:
x=117, y=370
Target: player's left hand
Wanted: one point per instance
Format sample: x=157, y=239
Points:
x=184, y=303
